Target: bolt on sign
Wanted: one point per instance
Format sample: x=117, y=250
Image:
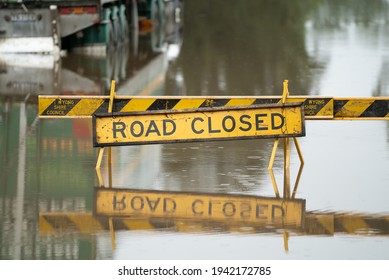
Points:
x=115, y=202
x=257, y=121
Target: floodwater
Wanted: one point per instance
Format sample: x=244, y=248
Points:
x=221, y=48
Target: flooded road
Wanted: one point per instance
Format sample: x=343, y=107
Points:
x=326, y=48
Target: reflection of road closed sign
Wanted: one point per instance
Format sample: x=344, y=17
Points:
x=259, y=121
x=179, y=205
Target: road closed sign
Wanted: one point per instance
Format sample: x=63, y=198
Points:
x=207, y=124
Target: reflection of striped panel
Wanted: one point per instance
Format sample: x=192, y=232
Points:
x=317, y=223
x=87, y=223
x=83, y=222
x=361, y=108
x=84, y=106
x=361, y=224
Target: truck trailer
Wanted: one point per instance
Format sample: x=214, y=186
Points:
x=48, y=26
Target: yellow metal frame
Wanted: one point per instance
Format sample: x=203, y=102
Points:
x=101, y=151
x=286, y=190
x=286, y=142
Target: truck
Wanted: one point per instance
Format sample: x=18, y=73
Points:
x=138, y=66
x=49, y=26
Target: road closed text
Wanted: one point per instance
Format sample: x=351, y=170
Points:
x=199, y=125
